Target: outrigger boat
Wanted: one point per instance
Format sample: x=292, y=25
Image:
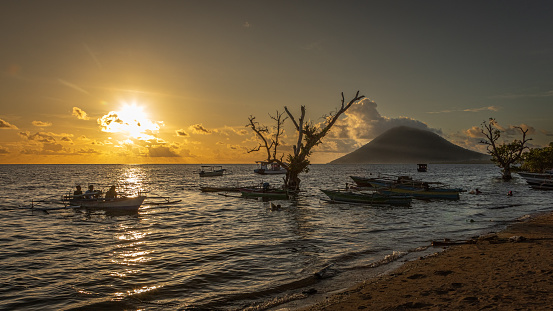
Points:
x=405, y=185
x=265, y=192
x=350, y=196
x=120, y=203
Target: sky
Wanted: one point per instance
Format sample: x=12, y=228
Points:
x=175, y=81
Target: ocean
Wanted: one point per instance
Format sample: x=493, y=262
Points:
x=223, y=252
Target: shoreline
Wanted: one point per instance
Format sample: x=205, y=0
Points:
x=510, y=269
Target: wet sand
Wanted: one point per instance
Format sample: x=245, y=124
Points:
x=510, y=270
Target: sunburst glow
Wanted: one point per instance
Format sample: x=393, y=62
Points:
x=131, y=121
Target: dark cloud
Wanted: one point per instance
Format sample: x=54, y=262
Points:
x=199, y=129
x=39, y=136
x=80, y=114
x=4, y=150
x=182, y=133
x=161, y=151
x=7, y=125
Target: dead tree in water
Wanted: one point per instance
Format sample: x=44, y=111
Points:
x=503, y=154
x=308, y=133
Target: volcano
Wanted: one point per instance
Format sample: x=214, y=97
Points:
x=410, y=145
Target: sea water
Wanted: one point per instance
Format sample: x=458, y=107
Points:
x=215, y=251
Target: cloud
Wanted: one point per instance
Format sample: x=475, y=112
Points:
x=41, y=123
x=39, y=136
x=363, y=123
x=246, y=24
x=182, y=133
x=489, y=108
x=4, y=150
x=199, y=129
x=80, y=114
x=161, y=151
x=7, y=125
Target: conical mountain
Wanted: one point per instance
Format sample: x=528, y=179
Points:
x=410, y=145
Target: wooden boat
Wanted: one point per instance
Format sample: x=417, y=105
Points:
x=120, y=203
x=211, y=171
x=350, y=196
x=265, y=191
x=266, y=168
x=538, y=179
x=220, y=189
x=423, y=193
x=422, y=167
x=405, y=185
x=386, y=181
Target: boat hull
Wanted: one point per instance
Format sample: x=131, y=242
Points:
x=123, y=204
x=537, y=178
x=424, y=194
x=269, y=172
x=267, y=194
x=367, y=198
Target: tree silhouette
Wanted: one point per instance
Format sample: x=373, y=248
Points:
x=308, y=136
x=503, y=154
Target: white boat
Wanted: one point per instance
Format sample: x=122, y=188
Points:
x=211, y=171
x=266, y=168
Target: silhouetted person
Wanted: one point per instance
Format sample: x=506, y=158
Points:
x=111, y=193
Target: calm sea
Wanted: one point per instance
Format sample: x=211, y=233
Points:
x=215, y=252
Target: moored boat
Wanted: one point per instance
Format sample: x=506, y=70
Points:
x=423, y=193
x=367, y=198
x=538, y=179
x=265, y=191
x=405, y=185
x=211, y=171
x=266, y=168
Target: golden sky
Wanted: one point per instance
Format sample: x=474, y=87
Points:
x=175, y=81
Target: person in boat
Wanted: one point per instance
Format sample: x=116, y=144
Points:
x=111, y=193
x=91, y=193
x=78, y=192
x=266, y=186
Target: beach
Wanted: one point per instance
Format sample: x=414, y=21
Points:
x=508, y=270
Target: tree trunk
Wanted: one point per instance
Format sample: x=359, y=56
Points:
x=292, y=181
x=507, y=172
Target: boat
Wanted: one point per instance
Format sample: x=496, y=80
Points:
x=269, y=168
x=405, y=185
x=350, y=196
x=422, y=167
x=538, y=179
x=211, y=171
x=423, y=193
x=386, y=181
x=220, y=189
x=120, y=203
x=265, y=191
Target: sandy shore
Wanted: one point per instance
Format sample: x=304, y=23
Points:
x=510, y=270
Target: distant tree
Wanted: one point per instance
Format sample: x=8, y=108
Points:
x=537, y=160
x=308, y=134
x=503, y=154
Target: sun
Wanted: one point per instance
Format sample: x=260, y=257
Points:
x=131, y=121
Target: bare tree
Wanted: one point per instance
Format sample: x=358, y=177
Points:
x=503, y=154
x=308, y=133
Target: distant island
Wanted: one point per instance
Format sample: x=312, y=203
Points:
x=410, y=145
